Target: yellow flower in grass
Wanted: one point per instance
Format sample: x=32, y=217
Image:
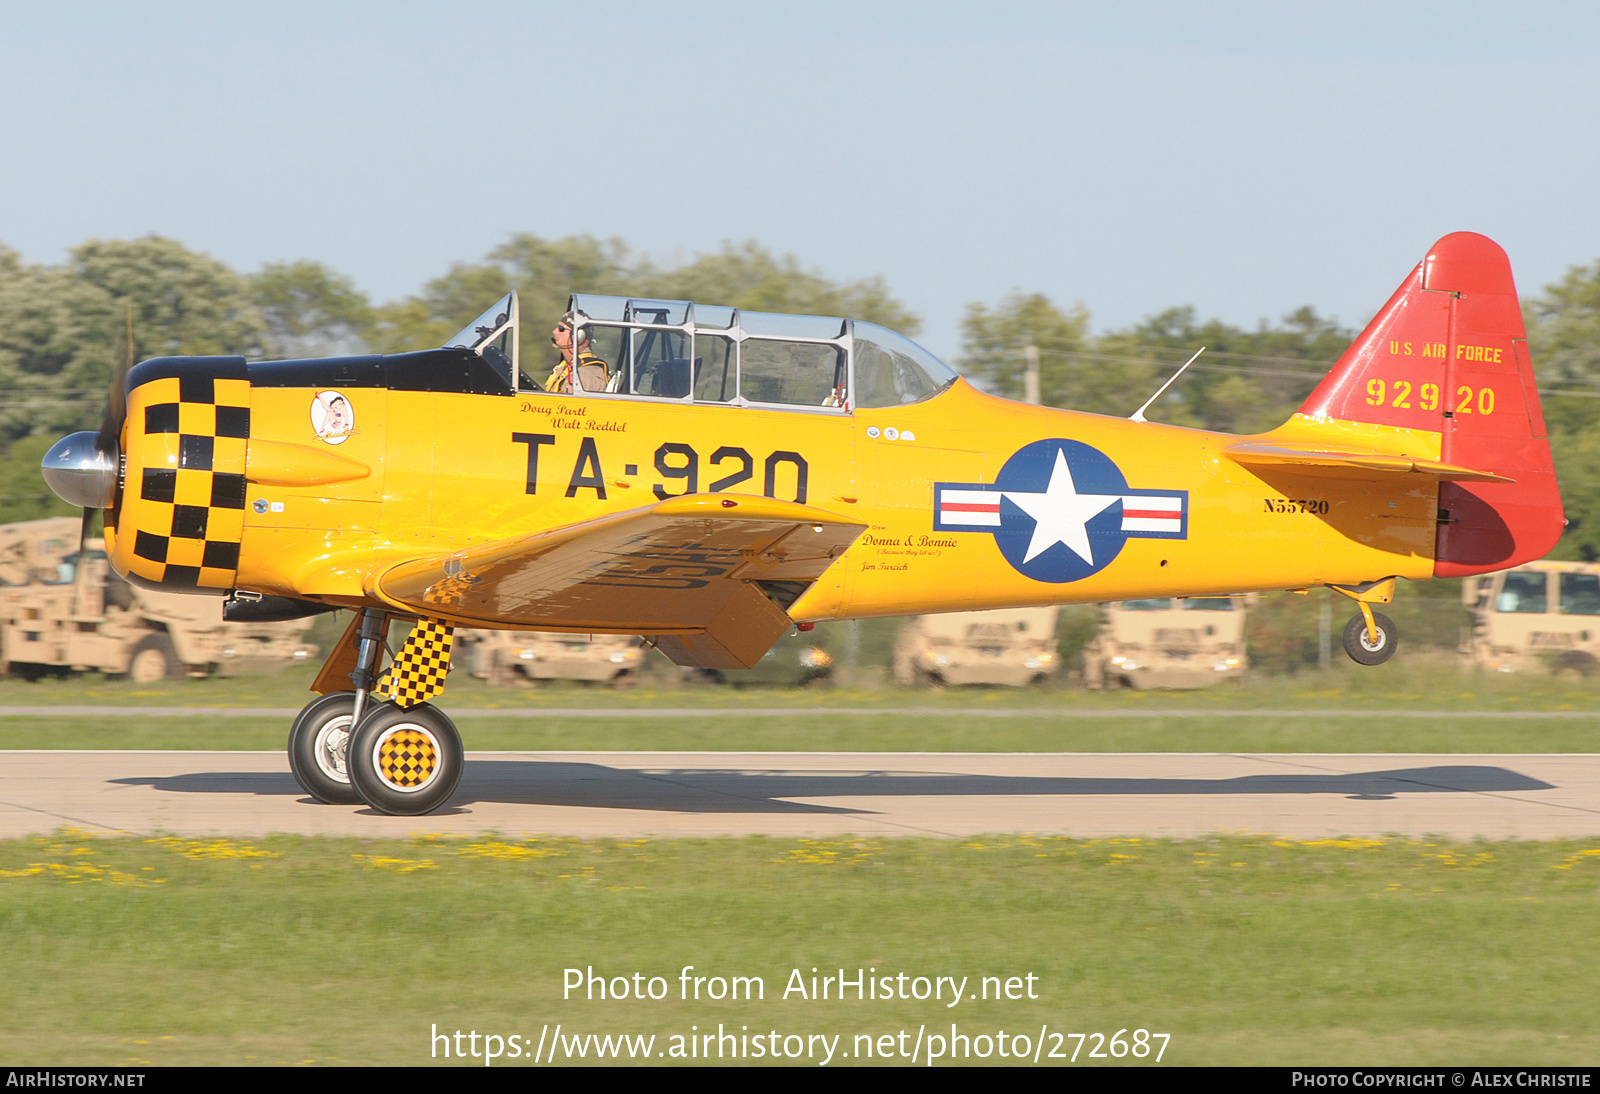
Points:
x=1573, y=860
x=499, y=849
x=398, y=865
x=211, y=849
x=825, y=852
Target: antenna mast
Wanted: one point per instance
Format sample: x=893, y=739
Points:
x=1138, y=415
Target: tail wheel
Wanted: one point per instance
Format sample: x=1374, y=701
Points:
x=1362, y=647
x=318, y=744
x=405, y=762
x=154, y=659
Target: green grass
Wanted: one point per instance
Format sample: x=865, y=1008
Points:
x=1421, y=682
x=867, y=733
x=1247, y=951
x=1290, y=714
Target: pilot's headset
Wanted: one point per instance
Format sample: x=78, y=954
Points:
x=577, y=323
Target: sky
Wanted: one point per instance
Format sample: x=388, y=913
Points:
x=1243, y=158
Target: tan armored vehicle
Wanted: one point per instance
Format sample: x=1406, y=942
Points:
x=1541, y=614
x=1012, y=646
x=61, y=612
x=1167, y=643
x=509, y=657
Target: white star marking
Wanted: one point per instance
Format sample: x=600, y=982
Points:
x=1061, y=514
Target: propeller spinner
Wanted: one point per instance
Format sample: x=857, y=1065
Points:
x=82, y=468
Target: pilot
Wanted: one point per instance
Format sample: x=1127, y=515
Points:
x=593, y=374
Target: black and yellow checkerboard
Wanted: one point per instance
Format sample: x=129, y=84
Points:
x=420, y=668
x=407, y=758
x=186, y=498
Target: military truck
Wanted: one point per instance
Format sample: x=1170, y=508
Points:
x=64, y=611
x=504, y=658
x=1542, y=615
x=797, y=660
x=1167, y=642
x=1008, y=646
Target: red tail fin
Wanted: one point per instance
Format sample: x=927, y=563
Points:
x=1448, y=353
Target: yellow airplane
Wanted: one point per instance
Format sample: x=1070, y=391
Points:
x=708, y=478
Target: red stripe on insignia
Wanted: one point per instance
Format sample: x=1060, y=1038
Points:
x=961, y=507
x=1152, y=514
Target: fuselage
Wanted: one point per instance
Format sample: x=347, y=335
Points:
x=436, y=459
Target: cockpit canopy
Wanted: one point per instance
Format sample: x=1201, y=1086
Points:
x=686, y=352
x=493, y=336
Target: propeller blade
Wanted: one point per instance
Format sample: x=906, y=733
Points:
x=110, y=435
x=83, y=533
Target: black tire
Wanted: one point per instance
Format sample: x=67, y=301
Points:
x=154, y=659
x=405, y=762
x=1356, y=643
x=1577, y=661
x=317, y=746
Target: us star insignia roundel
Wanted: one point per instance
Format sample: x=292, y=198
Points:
x=1060, y=510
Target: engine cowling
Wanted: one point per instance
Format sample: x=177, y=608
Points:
x=180, y=517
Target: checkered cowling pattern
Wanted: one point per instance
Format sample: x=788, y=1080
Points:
x=182, y=513
x=420, y=667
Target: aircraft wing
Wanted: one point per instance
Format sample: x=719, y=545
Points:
x=707, y=576
x=1315, y=459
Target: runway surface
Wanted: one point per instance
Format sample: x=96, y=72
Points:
x=793, y=794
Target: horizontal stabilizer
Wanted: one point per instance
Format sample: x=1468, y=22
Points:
x=1351, y=463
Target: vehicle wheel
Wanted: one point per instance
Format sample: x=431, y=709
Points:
x=500, y=674
x=1579, y=662
x=154, y=659
x=1362, y=650
x=625, y=680
x=317, y=745
x=405, y=762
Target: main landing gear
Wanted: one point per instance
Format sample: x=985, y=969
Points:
x=399, y=755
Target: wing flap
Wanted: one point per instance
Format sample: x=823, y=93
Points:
x=1315, y=459
x=674, y=567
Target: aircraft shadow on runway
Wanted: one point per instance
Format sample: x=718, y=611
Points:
x=727, y=790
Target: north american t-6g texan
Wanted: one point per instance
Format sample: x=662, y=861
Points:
x=708, y=478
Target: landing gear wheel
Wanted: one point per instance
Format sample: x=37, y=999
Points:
x=405, y=762
x=154, y=659
x=317, y=746
x=1361, y=648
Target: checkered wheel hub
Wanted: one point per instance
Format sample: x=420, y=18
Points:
x=407, y=757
